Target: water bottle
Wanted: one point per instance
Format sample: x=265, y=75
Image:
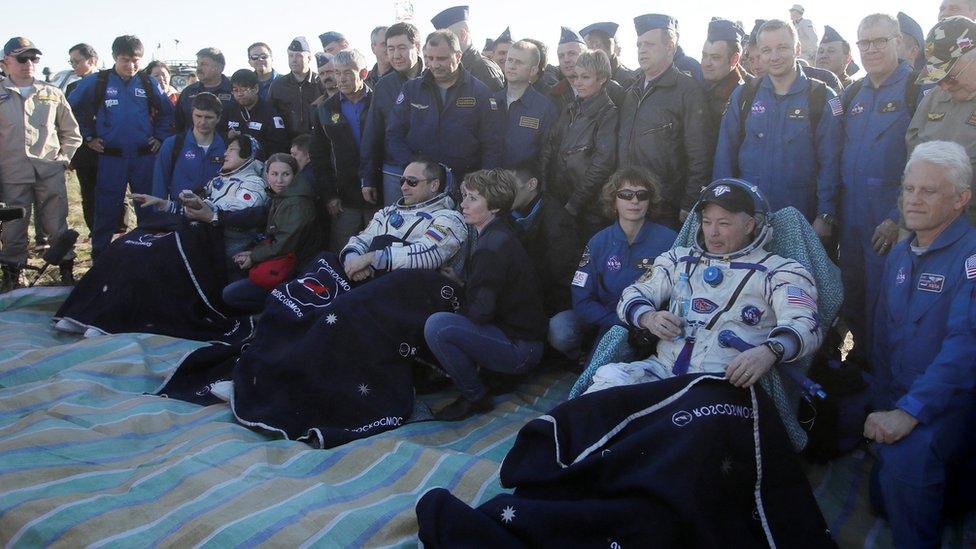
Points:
x=681, y=301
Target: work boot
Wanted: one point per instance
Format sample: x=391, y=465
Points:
x=9, y=278
x=67, y=270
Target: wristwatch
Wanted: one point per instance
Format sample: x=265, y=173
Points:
x=776, y=347
x=828, y=219
x=215, y=220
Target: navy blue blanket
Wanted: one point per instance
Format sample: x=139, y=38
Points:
x=329, y=362
x=164, y=279
x=667, y=464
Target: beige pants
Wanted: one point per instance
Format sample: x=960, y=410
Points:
x=51, y=197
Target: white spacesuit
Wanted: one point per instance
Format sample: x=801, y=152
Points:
x=753, y=293
x=422, y=236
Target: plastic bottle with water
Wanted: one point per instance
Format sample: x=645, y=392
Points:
x=681, y=302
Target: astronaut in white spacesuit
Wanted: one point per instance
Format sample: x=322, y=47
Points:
x=423, y=230
x=768, y=301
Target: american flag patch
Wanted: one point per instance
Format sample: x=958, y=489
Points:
x=796, y=296
x=836, y=106
x=434, y=234
x=971, y=267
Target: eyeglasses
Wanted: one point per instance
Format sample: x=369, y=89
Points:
x=76, y=62
x=878, y=43
x=952, y=80
x=411, y=181
x=625, y=195
x=25, y=58
x=259, y=57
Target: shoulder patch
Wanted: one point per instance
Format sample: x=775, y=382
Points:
x=579, y=279
x=585, y=258
x=971, y=267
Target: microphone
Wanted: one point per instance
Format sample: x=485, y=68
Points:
x=55, y=254
x=11, y=213
x=728, y=338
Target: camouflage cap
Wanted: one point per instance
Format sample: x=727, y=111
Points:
x=948, y=40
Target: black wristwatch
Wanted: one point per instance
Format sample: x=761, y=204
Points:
x=776, y=347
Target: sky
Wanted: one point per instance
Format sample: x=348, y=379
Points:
x=232, y=26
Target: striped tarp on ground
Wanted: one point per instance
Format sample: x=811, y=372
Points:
x=87, y=459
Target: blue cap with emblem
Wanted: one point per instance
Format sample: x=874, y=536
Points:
x=329, y=37
x=449, y=17
x=323, y=58
x=568, y=36
x=606, y=27
x=18, y=45
x=299, y=43
x=723, y=29
x=651, y=21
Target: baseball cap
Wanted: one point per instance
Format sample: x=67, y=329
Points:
x=18, y=45
x=948, y=40
x=730, y=196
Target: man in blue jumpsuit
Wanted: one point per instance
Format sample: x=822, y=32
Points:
x=126, y=128
x=446, y=114
x=526, y=115
x=878, y=109
x=780, y=147
x=924, y=349
x=200, y=154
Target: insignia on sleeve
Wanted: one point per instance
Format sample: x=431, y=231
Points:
x=936, y=116
x=971, y=267
x=585, y=258
x=836, y=106
x=579, y=279
x=466, y=102
x=795, y=295
x=529, y=122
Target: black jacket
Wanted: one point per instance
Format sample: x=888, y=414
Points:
x=666, y=127
x=335, y=152
x=501, y=286
x=483, y=69
x=292, y=99
x=374, y=151
x=548, y=234
x=262, y=122
x=580, y=155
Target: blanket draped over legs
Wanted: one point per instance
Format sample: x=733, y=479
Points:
x=329, y=362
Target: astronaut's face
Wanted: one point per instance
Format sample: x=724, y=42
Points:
x=929, y=202
x=726, y=232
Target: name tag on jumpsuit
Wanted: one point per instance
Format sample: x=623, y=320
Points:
x=928, y=282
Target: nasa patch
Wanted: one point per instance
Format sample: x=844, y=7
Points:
x=758, y=107
x=111, y=91
x=857, y=109
x=189, y=155
x=901, y=276
x=613, y=263
x=703, y=306
x=752, y=315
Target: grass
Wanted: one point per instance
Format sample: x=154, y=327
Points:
x=76, y=221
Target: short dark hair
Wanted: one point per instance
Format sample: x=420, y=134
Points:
x=207, y=101
x=258, y=45
x=635, y=175
x=127, y=44
x=157, y=63
x=244, y=141
x=214, y=54
x=526, y=170
x=543, y=54
x=281, y=157
x=498, y=186
x=436, y=38
x=84, y=50
x=734, y=46
x=246, y=78
x=303, y=142
x=432, y=170
x=404, y=29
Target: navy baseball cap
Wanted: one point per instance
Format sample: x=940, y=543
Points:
x=651, y=21
x=18, y=45
x=606, y=26
x=568, y=36
x=449, y=17
x=730, y=196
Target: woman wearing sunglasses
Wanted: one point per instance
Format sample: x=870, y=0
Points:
x=614, y=259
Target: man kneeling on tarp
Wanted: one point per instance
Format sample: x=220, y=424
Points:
x=725, y=281
x=423, y=230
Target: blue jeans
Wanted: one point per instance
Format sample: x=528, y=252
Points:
x=245, y=295
x=461, y=345
x=567, y=333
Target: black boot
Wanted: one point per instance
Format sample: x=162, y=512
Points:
x=67, y=270
x=463, y=408
x=9, y=278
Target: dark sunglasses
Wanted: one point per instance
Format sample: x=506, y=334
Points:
x=259, y=57
x=642, y=196
x=411, y=181
x=25, y=58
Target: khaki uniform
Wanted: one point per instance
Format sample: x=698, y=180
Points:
x=38, y=137
x=939, y=118
x=809, y=42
